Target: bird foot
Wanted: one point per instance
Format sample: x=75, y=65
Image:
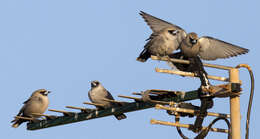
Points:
x=168, y=58
x=206, y=91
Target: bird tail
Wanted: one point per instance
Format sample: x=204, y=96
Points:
x=120, y=116
x=144, y=55
x=17, y=122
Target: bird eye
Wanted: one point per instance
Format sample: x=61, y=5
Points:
x=173, y=32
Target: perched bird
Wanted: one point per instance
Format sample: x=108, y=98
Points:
x=164, y=39
x=98, y=93
x=209, y=48
x=37, y=103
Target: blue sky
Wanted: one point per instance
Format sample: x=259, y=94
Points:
x=62, y=45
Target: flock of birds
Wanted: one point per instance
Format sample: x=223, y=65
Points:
x=165, y=39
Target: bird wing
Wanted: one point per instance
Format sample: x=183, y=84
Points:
x=21, y=110
x=27, y=101
x=157, y=24
x=89, y=96
x=24, y=106
x=154, y=38
x=109, y=96
x=212, y=49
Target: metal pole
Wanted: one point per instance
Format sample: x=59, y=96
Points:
x=235, y=106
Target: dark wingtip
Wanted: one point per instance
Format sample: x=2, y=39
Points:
x=120, y=117
x=142, y=12
x=140, y=59
x=246, y=50
x=13, y=121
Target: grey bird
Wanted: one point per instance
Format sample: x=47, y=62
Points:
x=165, y=38
x=98, y=93
x=37, y=103
x=192, y=47
x=207, y=48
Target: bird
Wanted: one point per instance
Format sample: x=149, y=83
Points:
x=209, y=48
x=206, y=47
x=165, y=38
x=191, y=46
x=37, y=103
x=98, y=93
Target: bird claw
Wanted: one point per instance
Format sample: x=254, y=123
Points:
x=168, y=58
x=206, y=91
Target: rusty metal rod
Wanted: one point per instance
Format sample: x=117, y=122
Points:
x=113, y=101
x=61, y=111
x=190, y=74
x=191, y=111
x=135, y=98
x=95, y=104
x=39, y=114
x=25, y=118
x=188, y=62
x=77, y=108
x=160, y=90
x=134, y=93
x=153, y=121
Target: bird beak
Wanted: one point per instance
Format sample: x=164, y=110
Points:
x=48, y=92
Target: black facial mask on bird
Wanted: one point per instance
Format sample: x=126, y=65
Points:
x=173, y=32
x=193, y=41
x=94, y=84
x=45, y=93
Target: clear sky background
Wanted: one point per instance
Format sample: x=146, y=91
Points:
x=62, y=45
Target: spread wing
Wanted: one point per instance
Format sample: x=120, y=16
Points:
x=212, y=49
x=157, y=24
